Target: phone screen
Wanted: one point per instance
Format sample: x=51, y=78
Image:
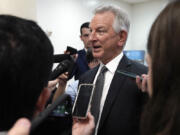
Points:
x=62, y=110
x=83, y=100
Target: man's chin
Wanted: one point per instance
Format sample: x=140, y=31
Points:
x=97, y=55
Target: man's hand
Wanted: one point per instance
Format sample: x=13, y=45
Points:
x=52, y=84
x=62, y=80
x=143, y=84
x=83, y=127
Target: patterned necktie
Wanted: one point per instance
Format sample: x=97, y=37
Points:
x=96, y=99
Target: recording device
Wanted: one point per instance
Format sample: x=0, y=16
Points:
x=57, y=58
x=71, y=50
x=61, y=68
x=82, y=101
x=66, y=63
x=60, y=57
x=129, y=74
x=43, y=115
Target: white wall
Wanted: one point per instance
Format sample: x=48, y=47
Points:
x=64, y=18
x=21, y=8
x=143, y=16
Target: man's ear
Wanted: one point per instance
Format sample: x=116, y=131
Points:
x=44, y=96
x=122, y=38
x=81, y=37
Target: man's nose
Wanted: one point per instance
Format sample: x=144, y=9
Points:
x=92, y=36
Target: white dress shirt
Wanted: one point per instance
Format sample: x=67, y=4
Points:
x=111, y=66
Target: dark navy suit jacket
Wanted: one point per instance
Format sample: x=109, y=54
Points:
x=81, y=65
x=124, y=101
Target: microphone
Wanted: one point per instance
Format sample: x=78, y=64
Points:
x=60, y=57
x=61, y=68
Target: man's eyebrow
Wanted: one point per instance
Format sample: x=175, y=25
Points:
x=85, y=34
x=99, y=27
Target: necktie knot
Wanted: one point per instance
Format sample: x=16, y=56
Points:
x=103, y=69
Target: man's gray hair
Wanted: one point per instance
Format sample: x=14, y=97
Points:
x=121, y=21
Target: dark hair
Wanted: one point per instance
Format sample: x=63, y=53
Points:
x=84, y=25
x=162, y=113
x=26, y=62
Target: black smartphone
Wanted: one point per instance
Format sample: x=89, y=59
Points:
x=129, y=74
x=82, y=101
x=71, y=50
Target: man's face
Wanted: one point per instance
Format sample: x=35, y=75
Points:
x=85, y=37
x=103, y=37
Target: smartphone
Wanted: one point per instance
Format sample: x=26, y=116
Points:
x=71, y=50
x=82, y=101
x=129, y=74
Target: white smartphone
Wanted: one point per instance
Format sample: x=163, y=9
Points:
x=82, y=101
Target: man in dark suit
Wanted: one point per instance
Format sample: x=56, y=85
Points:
x=121, y=101
x=81, y=65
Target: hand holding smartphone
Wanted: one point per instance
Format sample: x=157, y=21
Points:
x=82, y=101
x=129, y=74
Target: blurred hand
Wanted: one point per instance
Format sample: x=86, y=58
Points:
x=142, y=84
x=52, y=84
x=62, y=80
x=21, y=127
x=84, y=126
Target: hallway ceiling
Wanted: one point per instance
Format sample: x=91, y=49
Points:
x=134, y=1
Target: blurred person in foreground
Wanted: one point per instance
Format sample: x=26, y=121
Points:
x=26, y=58
x=161, y=114
x=26, y=62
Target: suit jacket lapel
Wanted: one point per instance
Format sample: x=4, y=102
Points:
x=91, y=75
x=114, y=89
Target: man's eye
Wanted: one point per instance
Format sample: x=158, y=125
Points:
x=86, y=35
x=101, y=31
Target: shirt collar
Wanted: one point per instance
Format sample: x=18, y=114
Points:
x=85, y=50
x=113, y=64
